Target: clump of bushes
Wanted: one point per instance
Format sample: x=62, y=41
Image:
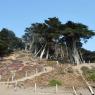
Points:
x=89, y=73
x=84, y=69
x=91, y=77
x=54, y=82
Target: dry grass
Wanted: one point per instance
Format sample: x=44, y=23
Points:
x=67, y=77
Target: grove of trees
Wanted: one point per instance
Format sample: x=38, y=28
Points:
x=48, y=39
x=51, y=39
x=9, y=42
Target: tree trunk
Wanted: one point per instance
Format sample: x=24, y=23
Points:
x=70, y=56
x=56, y=50
x=62, y=52
x=75, y=53
x=35, y=51
x=81, y=57
x=47, y=54
x=38, y=52
x=30, y=46
x=72, y=50
x=25, y=47
x=42, y=53
x=68, y=50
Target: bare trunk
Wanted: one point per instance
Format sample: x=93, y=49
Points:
x=62, y=52
x=69, y=54
x=35, y=51
x=75, y=53
x=30, y=46
x=42, y=53
x=56, y=51
x=25, y=47
x=38, y=51
x=81, y=57
x=71, y=59
x=47, y=54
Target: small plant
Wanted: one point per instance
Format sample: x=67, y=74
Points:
x=70, y=70
x=92, y=77
x=89, y=73
x=51, y=63
x=54, y=82
x=61, y=70
x=85, y=69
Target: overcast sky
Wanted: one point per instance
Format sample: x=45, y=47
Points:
x=16, y=15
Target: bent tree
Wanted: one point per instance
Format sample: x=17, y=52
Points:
x=41, y=37
x=73, y=33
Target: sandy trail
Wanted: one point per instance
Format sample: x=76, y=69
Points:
x=46, y=70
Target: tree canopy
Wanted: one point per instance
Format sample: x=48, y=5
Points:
x=49, y=38
x=8, y=41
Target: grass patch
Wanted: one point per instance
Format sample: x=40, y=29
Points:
x=85, y=69
x=51, y=63
x=54, y=82
x=89, y=73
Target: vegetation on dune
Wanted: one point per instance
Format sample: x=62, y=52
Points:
x=55, y=40
x=48, y=44
x=89, y=56
x=9, y=42
x=55, y=82
x=51, y=39
x=89, y=73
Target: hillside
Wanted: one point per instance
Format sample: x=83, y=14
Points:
x=22, y=65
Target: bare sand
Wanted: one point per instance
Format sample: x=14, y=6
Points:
x=5, y=90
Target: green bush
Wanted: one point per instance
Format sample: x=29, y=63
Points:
x=92, y=77
x=70, y=70
x=89, y=73
x=85, y=69
x=54, y=82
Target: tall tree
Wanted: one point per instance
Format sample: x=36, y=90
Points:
x=43, y=35
x=73, y=33
x=8, y=41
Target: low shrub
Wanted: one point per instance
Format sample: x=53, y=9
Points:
x=54, y=82
x=70, y=70
x=89, y=73
x=92, y=77
x=85, y=69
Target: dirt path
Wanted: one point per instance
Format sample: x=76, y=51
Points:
x=46, y=70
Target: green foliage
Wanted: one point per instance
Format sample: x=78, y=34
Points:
x=89, y=73
x=8, y=41
x=52, y=33
x=77, y=30
x=41, y=34
x=51, y=63
x=54, y=82
x=85, y=69
x=88, y=55
x=92, y=76
x=70, y=70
